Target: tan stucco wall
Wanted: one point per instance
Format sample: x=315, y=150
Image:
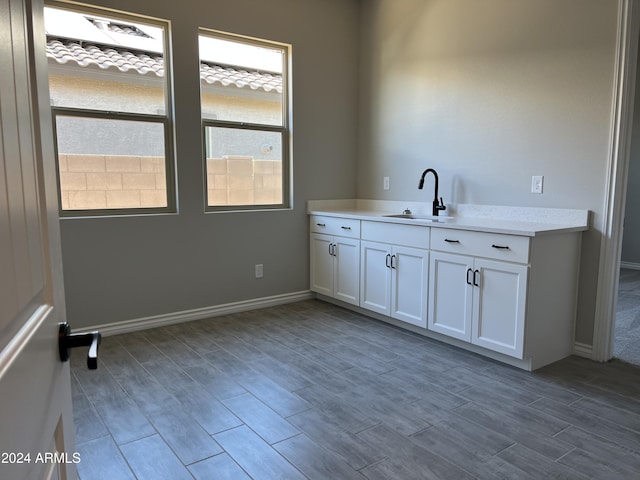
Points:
x=224, y=103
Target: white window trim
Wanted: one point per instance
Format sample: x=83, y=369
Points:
x=166, y=119
x=284, y=129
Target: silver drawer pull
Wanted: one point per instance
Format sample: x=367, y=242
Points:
x=448, y=240
x=500, y=247
x=321, y=224
x=346, y=228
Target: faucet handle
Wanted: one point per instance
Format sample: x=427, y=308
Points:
x=441, y=205
x=406, y=212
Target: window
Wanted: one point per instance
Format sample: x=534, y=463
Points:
x=245, y=119
x=109, y=97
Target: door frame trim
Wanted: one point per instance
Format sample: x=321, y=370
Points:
x=616, y=181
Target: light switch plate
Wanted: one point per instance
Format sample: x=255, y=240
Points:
x=385, y=183
x=537, y=182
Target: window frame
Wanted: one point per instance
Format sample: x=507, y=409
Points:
x=166, y=120
x=284, y=129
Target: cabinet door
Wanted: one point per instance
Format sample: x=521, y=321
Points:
x=321, y=264
x=375, y=277
x=499, y=307
x=346, y=273
x=410, y=273
x=450, y=295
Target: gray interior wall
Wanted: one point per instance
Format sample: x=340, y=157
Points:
x=631, y=234
x=490, y=93
x=122, y=268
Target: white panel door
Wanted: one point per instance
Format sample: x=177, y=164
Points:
x=499, y=307
x=346, y=276
x=35, y=393
x=410, y=273
x=450, y=295
x=375, y=277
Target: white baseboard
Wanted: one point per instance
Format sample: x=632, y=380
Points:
x=145, y=323
x=583, y=350
x=630, y=265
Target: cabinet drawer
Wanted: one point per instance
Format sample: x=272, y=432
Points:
x=343, y=227
x=510, y=248
x=416, y=236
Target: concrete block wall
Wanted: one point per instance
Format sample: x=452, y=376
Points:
x=243, y=180
x=111, y=181
x=90, y=182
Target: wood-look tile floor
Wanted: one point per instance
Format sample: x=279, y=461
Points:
x=310, y=390
x=627, y=326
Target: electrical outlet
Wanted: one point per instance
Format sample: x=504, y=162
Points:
x=259, y=270
x=385, y=183
x=537, y=182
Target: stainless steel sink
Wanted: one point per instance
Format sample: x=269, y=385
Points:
x=426, y=218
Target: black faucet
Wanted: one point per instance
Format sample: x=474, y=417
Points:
x=437, y=205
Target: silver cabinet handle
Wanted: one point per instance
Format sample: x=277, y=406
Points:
x=387, y=260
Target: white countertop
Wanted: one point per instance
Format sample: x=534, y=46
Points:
x=526, y=221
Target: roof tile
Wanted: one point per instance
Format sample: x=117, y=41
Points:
x=65, y=51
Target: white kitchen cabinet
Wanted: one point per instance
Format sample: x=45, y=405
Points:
x=335, y=260
x=393, y=281
x=506, y=291
x=450, y=295
x=499, y=302
x=375, y=277
x=479, y=301
x=393, y=277
x=410, y=274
